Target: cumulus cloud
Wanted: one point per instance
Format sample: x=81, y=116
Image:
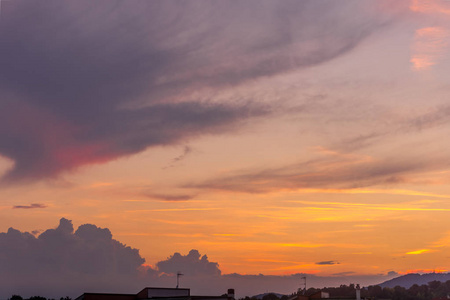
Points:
x=33, y=205
x=191, y=264
x=64, y=261
x=86, y=82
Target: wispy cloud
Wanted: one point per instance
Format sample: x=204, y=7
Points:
x=370, y=206
x=430, y=46
x=348, y=171
x=171, y=197
x=343, y=273
x=176, y=209
x=31, y=206
x=186, y=151
x=416, y=252
x=428, y=7
x=328, y=262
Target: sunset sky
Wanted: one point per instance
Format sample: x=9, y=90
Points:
x=275, y=137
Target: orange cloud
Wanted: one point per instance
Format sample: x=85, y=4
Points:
x=430, y=6
x=175, y=209
x=372, y=191
x=398, y=207
x=418, y=251
x=429, y=46
x=443, y=242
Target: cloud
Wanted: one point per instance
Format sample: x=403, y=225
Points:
x=416, y=252
x=430, y=46
x=343, y=273
x=393, y=273
x=190, y=264
x=87, y=82
x=328, y=262
x=186, y=151
x=171, y=197
x=399, y=124
x=65, y=261
x=33, y=205
x=336, y=171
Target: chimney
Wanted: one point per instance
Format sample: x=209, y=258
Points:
x=358, y=292
x=230, y=294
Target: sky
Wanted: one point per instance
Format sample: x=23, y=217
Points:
x=245, y=143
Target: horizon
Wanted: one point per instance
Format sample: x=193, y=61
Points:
x=273, y=138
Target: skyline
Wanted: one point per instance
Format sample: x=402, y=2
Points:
x=277, y=138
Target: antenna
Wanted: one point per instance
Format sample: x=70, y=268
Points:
x=178, y=276
x=304, y=285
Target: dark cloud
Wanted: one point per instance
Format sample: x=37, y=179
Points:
x=33, y=205
x=328, y=262
x=190, y=264
x=171, y=197
x=343, y=273
x=85, y=82
x=63, y=260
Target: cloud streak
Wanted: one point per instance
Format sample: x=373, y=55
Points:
x=328, y=172
x=327, y=262
x=31, y=206
x=171, y=197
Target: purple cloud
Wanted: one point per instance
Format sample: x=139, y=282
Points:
x=85, y=82
x=190, y=264
x=327, y=262
x=64, y=261
x=31, y=206
x=170, y=197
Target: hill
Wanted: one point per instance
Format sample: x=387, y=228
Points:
x=408, y=280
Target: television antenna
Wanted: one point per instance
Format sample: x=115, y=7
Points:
x=304, y=284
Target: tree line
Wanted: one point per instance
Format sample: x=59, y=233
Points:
x=433, y=290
